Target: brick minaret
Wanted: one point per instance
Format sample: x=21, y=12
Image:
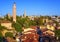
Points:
x=14, y=12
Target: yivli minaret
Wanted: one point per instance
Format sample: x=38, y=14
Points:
x=14, y=12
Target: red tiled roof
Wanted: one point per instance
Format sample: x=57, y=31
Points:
x=34, y=27
x=30, y=37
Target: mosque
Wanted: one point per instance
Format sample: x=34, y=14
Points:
x=7, y=23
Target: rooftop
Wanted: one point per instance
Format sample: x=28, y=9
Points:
x=4, y=21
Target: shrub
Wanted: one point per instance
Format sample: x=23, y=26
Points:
x=1, y=37
x=8, y=34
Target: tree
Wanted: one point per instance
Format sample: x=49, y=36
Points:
x=17, y=27
x=1, y=18
x=57, y=33
x=2, y=28
x=6, y=17
x=24, y=22
x=32, y=23
x=39, y=21
x=1, y=36
x=8, y=34
x=57, y=24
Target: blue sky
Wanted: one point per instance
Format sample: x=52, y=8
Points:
x=32, y=7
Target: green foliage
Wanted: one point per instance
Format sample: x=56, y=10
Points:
x=24, y=22
x=1, y=19
x=1, y=34
x=57, y=24
x=2, y=28
x=1, y=37
x=11, y=19
x=7, y=18
x=17, y=27
x=57, y=33
x=1, y=40
x=8, y=34
x=32, y=23
x=39, y=21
